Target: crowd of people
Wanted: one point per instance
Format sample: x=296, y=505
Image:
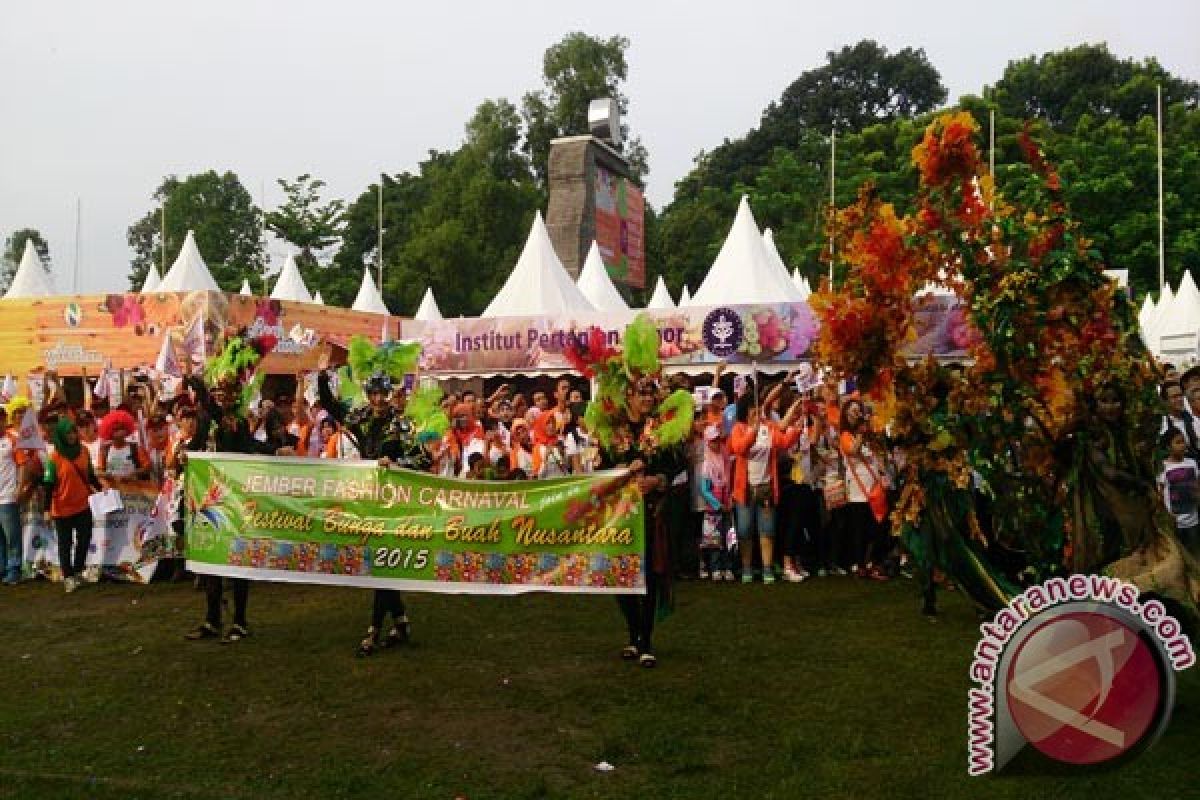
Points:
x=775, y=482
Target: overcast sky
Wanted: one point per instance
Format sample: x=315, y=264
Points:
x=100, y=100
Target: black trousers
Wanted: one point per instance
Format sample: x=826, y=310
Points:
x=863, y=533
x=639, y=611
x=214, y=586
x=75, y=530
x=386, y=601
x=814, y=545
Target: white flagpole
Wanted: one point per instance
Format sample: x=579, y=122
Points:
x=1162, y=256
x=78, y=243
x=162, y=270
x=380, y=270
x=832, y=198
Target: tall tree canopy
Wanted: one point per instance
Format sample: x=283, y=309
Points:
x=1092, y=111
x=221, y=213
x=307, y=223
x=577, y=70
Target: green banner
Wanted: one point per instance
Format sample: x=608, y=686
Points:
x=353, y=523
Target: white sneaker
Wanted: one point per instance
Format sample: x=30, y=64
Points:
x=791, y=576
x=728, y=575
x=716, y=575
x=69, y=585
x=703, y=574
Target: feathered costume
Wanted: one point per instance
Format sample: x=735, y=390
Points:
x=379, y=431
x=657, y=439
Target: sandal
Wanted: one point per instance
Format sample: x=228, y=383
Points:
x=398, y=635
x=204, y=631
x=629, y=652
x=235, y=634
x=366, y=647
x=648, y=660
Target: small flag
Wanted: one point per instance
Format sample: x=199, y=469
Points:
x=9, y=390
x=29, y=435
x=167, y=363
x=193, y=342
x=114, y=384
x=100, y=389
x=36, y=382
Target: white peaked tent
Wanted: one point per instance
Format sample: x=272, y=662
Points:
x=777, y=261
x=290, y=285
x=742, y=271
x=1163, y=310
x=318, y=299
x=685, y=296
x=805, y=289
x=246, y=290
x=1146, y=315
x=31, y=278
x=152, y=282
x=661, y=297
x=596, y=284
x=1177, y=331
x=189, y=273
x=538, y=284
x=797, y=279
x=368, y=298
x=428, y=311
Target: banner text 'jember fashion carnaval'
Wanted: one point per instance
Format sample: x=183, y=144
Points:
x=353, y=523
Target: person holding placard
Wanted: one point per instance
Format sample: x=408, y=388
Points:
x=70, y=479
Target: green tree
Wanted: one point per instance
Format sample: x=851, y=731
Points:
x=456, y=226
x=1063, y=86
x=308, y=224
x=575, y=71
x=222, y=215
x=14, y=249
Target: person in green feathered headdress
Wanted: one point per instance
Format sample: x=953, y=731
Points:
x=393, y=438
x=642, y=431
x=232, y=379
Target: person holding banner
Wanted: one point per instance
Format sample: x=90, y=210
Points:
x=638, y=432
x=232, y=375
x=379, y=433
x=70, y=479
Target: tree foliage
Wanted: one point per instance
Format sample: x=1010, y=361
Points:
x=308, y=224
x=1092, y=111
x=575, y=71
x=221, y=214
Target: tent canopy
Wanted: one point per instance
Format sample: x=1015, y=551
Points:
x=290, y=285
x=538, y=284
x=31, y=278
x=189, y=273
x=246, y=290
x=597, y=286
x=318, y=299
x=152, y=282
x=1176, y=331
x=777, y=261
x=428, y=310
x=743, y=272
x=368, y=298
x=661, y=297
x=685, y=296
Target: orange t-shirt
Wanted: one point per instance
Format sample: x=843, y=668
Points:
x=70, y=493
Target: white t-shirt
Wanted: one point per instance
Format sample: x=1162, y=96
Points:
x=121, y=462
x=758, y=458
x=1178, y=481
x=10, y=475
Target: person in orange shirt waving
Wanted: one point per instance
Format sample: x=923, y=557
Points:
x=754, y=443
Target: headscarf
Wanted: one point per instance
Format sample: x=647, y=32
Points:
x=63, y=427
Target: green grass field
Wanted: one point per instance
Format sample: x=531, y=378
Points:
x=833, y=688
